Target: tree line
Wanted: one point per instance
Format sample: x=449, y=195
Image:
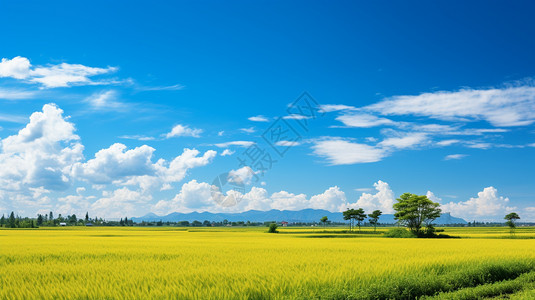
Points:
x=48, y=220
x=415, y=212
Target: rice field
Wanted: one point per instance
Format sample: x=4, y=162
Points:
x=247, y=263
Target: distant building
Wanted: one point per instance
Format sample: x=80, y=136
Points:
x=62, y=224
x=284, y=223
x=88, y=224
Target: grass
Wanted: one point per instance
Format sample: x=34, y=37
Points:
x=247, y=263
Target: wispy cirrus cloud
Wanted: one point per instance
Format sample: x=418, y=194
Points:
x=258, y=118
x=105, y=100
x=363, y=120
x=16, y=94
x=507, y=107
x=53, y=76
x=455, y=156
x=248, y=130
x=234, y=143
x=340, y=151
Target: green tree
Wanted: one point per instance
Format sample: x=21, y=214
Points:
x=51, y=217
x=348, y=215
x=359, y=216
x=324, y=220
x=353, y=215
x=511, y=221
x=87, y=217
x=11, y=223
x=2, y=221
x=39, y=219
x=374, y=218
x=273, y=228
x=415, y=211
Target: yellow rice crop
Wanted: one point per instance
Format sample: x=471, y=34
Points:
x=167, y=263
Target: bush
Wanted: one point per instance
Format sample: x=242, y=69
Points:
x=273, y=228
x=400, y=233
x=404, y=233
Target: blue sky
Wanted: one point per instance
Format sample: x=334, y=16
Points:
x=125, y=108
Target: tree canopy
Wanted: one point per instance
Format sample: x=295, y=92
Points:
x=416, y=211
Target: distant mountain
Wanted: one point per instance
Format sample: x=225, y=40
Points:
x=303, y=216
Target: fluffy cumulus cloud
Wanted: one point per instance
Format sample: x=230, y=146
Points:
x=487, y=205
x=382, y=200
x=18, y=67
x=120, y=203
x=332, y=199
x=41, y=154
x=51, y=76
x=45, y=158
x=115, y=163
x=201, y=196
x=193, y=196
x=182, y=130
x=241, y=176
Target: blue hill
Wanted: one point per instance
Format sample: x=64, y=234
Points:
x=303, y=216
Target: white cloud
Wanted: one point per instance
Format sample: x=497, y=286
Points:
x=64, y=75
x=248, y=130
x=115, y=163
x=455, y=156
x=51, y=76
x=287, y=201
x=120, y=166
x=287, y=143
x=244, y=144
x=15, y=94
x=220, y=133
x=193, y=196
x=296, y=117
x=409, y=140
x=178, y=167
x=181, y=130
x=448, y=142
x=42, y=153
x=431, y=196
x=137, y=137
x=511, y=106
x=487, y=204
x=332, y=200
x=363, y=120
x=120, y=203
x=478, y=145
x=241, y=176
x=18, y=67
x=336, y=107
x=13, y=118
x=382, y=200
x=258, y=118
x=200, y=196
x=342, y=152
x=227, y=152
x=105, y=100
